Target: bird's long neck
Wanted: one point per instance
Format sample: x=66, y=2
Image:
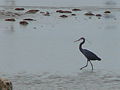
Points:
x=80, y=46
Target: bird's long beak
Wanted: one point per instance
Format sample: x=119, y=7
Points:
x=77, y=40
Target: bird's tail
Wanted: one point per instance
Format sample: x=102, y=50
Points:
x=99, y=59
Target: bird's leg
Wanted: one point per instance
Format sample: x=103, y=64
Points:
x=84, y=66
x=91, y=64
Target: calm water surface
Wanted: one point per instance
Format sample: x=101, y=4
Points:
x=47, y=44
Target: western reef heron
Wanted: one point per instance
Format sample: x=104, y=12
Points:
x=88, y=54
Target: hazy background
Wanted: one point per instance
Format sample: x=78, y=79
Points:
x=62, y=2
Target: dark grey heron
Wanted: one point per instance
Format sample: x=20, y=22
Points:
x=88, y=54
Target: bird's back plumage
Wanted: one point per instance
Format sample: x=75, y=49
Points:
x=90, y=55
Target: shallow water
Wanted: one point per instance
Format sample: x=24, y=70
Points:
x=47, y=44
x=43, y=55
x=85, y=80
